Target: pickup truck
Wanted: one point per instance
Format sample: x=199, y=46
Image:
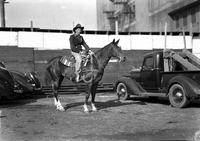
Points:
x=178, y=83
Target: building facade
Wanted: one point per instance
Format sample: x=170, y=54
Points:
x=110, y=11
x=149, y=15
x=2, y=13
x=179, y=14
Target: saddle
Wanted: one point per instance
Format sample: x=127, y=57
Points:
x=85, y=73
x=70, y=61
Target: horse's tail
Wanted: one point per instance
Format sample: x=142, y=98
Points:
x=47, y=78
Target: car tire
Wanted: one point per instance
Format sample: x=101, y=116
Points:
x=177, y=96
x=122, y=91
x=12, y=96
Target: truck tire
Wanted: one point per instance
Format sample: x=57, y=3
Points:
x=122, y=91
x=177, y=96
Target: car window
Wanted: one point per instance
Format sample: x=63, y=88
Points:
x=148, y=63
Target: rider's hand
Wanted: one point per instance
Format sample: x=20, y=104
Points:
x=90, y=52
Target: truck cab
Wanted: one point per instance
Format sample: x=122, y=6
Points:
x=151, y=70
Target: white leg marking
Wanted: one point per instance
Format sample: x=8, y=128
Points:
x=59, y=106
x=94, y=107
x=55, y=101
x=85, y=108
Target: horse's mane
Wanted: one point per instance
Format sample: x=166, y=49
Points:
x=52, y=59
x=100, y=50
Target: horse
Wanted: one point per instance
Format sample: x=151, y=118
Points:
x=94, y=70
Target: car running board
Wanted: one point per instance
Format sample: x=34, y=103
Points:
x=149, y=94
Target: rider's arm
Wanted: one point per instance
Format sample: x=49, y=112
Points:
x=87, y=48
x=72, y=45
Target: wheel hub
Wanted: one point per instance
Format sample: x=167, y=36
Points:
x=178, y=94
x=123, y=90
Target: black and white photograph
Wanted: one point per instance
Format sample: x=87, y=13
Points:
x=99, y=70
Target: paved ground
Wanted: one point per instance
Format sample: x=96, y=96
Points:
x=136, y=119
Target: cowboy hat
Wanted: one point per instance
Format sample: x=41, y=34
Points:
x=78, y=26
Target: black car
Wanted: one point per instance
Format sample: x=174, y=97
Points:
x=14, y=83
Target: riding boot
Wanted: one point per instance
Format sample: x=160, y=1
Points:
x=77, y=76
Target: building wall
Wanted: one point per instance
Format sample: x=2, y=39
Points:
x=142, y=16
x=2, y=14
x=151, y=16
x=107, y=12
x=102, y=20
x=177, y=14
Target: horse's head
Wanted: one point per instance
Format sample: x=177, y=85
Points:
x=116, y=51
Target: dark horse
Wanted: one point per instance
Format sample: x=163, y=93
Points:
x=56, y=72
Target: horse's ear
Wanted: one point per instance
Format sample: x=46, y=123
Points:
x=117, y=41
x=113, y=41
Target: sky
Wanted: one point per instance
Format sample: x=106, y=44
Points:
x=51, y=14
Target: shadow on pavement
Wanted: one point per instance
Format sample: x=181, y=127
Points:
x=163, y=101
x=117, y=103
x=106, y=104
x=5, y=103
x=153, y=100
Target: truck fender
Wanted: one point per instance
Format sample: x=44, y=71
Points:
x=191, y=87
x=131, y=84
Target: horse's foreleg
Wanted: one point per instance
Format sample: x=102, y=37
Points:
x=93, y=92
x=86, y=110
x=56, y=99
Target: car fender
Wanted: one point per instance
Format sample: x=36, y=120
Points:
x=5, y=75
x=35, y=80
x=191, y=87
x=133, y=86
x=22, y=80
x=5, y=89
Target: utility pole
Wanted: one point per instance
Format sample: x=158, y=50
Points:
x=2, y=13
x=116, y=27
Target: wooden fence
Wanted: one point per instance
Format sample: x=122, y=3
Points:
x=28, y=59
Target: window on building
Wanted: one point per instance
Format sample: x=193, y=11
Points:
x=150, y=5
x=185, y=19
x=193, y=16
x=177, y=21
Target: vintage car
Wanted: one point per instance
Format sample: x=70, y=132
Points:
x=14, y=83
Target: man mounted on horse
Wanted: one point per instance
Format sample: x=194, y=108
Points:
x=92, y=70
x=76, y=43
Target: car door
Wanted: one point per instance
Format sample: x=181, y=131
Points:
x=149, y=74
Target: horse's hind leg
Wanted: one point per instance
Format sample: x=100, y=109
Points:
x=55, y=87
x=93, y=93
x=86, y=110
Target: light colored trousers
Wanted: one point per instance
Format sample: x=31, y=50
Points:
x=78, y=60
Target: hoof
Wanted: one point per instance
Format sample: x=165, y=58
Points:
x=94, y=109
x=61, y=109
x=86, y=111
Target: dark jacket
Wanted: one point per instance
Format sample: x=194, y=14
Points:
x=76, y=43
